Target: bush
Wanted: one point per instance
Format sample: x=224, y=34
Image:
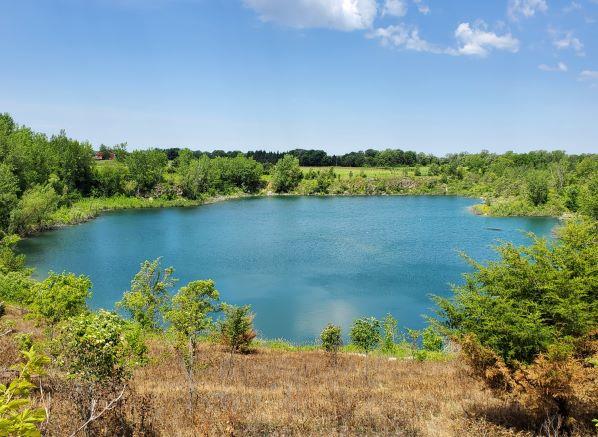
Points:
x=16, y=287
x=60, y=296
x=331, y=337
x=99, y=346
x=365, y=334
x=33, y=210
x=431, y=340
x=236, y=329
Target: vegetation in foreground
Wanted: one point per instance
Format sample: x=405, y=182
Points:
x=46, y=182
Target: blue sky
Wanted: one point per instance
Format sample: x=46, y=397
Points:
x=430, y=75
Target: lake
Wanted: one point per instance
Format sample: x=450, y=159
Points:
x=301, y=262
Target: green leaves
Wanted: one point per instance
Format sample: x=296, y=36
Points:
x=532, y=297
x=365, y=333
x=286, y=174
x=148, y=297
x=16, y=418
x=331, y=338
x=99, y=346
x=236, y=329
x=60, y=296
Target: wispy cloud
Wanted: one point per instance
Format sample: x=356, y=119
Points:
x=345, y=15
x=589, y=76
x=404, y=37
x=395, y=8
x=560, y=67
x=566, y=41
x=525, y=8
x=422, y=7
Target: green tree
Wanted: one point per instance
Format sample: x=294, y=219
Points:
x=148, y=296
x=236, y=328
x=9, y=188
x=146, y=168
x=537, y=188
x=532, y=297
x=75, y=159
x=431, y=339
x=33, y=209
x=365, y=334
x=60, y=296
x=286, y=174
x=199, y=177
x=190, y=317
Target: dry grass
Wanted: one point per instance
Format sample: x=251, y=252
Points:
x=272, y=392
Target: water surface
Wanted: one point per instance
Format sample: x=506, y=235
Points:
x=301, y=262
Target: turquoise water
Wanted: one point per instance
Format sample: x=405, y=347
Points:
x=301, y=262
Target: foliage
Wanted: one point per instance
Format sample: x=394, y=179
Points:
x=189, y=313
x=99, y=346
x=33, y=209
x=532, y=297
x=537, y=188
x=16, y=415
x=148, y=296
x=431, y=339
x=365, y=333
x=9, y=189
x=60, y=296
x=331, y=338
x=286, y=174
x=146, y=168
x=9, y=260
x=390, y=330
x=236, y=328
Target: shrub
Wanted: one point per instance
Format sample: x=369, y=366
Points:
x=431, y=340
x=60, y=296
x=99, y=346
x=537, y=188
x=331, y=337
x=33, y=210
x=16, y=415
x=236, y=329
x=365, y=334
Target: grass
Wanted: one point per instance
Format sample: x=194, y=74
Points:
x=370, y=172
x=88, y=208
x=279, y=390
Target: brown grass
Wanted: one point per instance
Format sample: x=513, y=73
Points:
x=273, y=392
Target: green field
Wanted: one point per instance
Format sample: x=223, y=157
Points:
x=371, y=172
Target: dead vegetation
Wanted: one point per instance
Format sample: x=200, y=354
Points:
x=271, y=392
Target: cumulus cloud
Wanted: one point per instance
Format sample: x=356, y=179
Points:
x=404, y=37
x=477, y=41
x=560, y=67
x=525, y=8
x=566, y=41
x=396, y=8
x=346, y=15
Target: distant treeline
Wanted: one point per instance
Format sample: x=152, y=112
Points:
x=380, y=158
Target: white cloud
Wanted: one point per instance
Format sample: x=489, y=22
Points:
x=588, y=75
x=564, y=41
x=346, y=15
x=405, y=37
x=560, y=67
x=396, y=8
x=525, y=8
x=422, y=7
x=477, y=41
